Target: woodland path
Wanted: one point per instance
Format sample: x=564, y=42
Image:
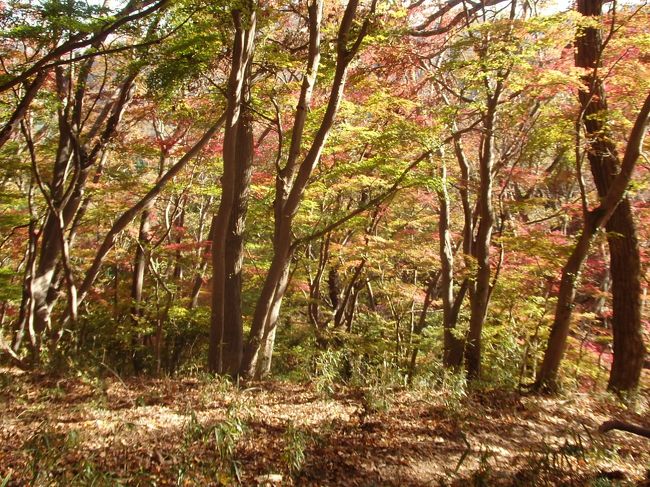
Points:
x=193, y=431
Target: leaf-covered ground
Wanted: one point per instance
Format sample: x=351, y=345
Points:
x=197, y=431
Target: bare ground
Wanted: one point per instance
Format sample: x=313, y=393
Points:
x=86, y=431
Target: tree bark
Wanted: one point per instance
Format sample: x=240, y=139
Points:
x=623, y=426
x=244, y=23
x=546, y=378
x=284, y=180
x=233, y=337
x=625, y=264
x=71, y=168
x=179, y=228
x=480, y=295
x=268, y=339
x=453, y=346
x=137, y=284
x=625, y=268
x=594, y=220
x=293, y=179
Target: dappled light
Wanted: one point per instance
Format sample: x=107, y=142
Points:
x=324, y=242
x=195, y=430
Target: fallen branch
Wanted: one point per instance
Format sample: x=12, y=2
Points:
x=615, y=424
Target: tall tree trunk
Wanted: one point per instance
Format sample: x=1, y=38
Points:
x=293, y=179
x=71, y=168
x=282, y=251
x=244, y=23
x=594, y=220
x=50, y=250
x=625, y=265
x=625, y=268
x=233, y=338
x=480, y=296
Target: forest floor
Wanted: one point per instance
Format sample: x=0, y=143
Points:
x=201, y=431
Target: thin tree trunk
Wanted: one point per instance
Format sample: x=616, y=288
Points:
x=145, y=202
x=19, y=113
x=565, y=300
x=137, y=284
x=179, y=227
x=421, y=324
x=453, y=346
x=463, y=190
x=268, y=340
x=343, y=309
x=202, y=254
x=315, y=298
x=139, y=270
x=26, y=319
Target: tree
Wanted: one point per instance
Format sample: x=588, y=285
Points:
x=625, y=262
x=594, y=220
x=608, y=171
x=293, y=178
x=46, y=29
x=226, y=334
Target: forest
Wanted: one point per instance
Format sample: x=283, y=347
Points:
x=324, y=242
